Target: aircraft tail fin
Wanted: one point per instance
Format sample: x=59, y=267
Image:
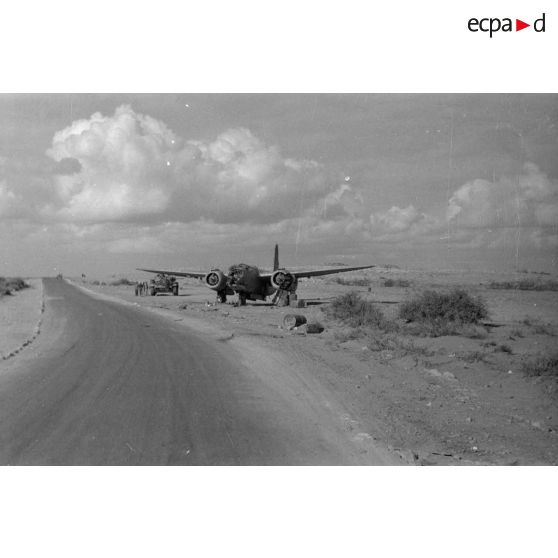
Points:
x=276, y=258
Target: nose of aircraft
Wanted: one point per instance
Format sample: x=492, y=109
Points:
x=235, y=277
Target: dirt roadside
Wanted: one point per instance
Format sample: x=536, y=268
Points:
x=295, y=379
x=439, y=401
x=20, y=318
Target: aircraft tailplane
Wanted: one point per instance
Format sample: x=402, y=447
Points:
x=276, y=258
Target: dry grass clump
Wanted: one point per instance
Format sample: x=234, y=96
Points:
x=441, y=328
x=473, y=357
x=542, y=366
x=434, y=307
x=544, y=329
x=538, y=327
x=396, y=283
x=349, y=334
x=397, y=344
x=525, y=285
x=123, y=281
x=10, y=284
x=353, y=281
x=379, y=343
x=516, y=332
x=434, y=314
x=355, y=312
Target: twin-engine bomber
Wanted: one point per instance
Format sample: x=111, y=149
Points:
x=249, y=284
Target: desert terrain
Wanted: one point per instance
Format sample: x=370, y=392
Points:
x=474, y=398
x=455, y=399
x=20, y=318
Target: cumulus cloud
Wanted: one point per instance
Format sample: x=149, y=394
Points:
x=131, y=166
x=10, y=197
x=131, y=170
x=137, y=245
x=67, y=165
x=398, y=220
x=7, y=199
x=529, y=199
x=345, y=200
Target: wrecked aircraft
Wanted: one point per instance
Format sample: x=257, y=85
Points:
x=249, y=284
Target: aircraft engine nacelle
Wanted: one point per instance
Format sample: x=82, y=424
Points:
x=282, y=279
x=215, y=280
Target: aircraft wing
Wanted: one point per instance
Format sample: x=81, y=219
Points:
x=318, y=272
x=197, y=274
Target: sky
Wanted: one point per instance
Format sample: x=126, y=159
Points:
x=103, y=183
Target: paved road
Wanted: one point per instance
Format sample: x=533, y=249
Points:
x=110, y=384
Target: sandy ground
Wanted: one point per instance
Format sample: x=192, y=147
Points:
x=20, y=316
x=445, y=400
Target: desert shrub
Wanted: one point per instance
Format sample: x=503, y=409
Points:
x=396, y=344
x=536, y=327
x=472, y=331
x=542, y=366
x=516, y=332
x=348, y=334
x=123, y=281
x=379, y=343
x=439, y=308
x=473, y=356
x=354, y=311
x=10, y=284
x=410, y=348
x=95, y=282
x=525, y=285
x=504, y=348
x=4, y=290
x=544, y=329
x=433, y=328
x=396, y=283
x=353, y=282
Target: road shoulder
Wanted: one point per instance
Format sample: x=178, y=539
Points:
x=20, y=319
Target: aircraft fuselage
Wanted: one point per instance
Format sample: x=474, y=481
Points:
x=246, y=279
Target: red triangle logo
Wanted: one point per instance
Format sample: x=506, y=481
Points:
x=519, y=25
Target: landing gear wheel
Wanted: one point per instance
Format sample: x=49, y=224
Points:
x=241, y=299
x=175, y=290
x=222, y=296
x=284, y=298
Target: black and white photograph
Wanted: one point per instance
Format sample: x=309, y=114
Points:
x=278, y=279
